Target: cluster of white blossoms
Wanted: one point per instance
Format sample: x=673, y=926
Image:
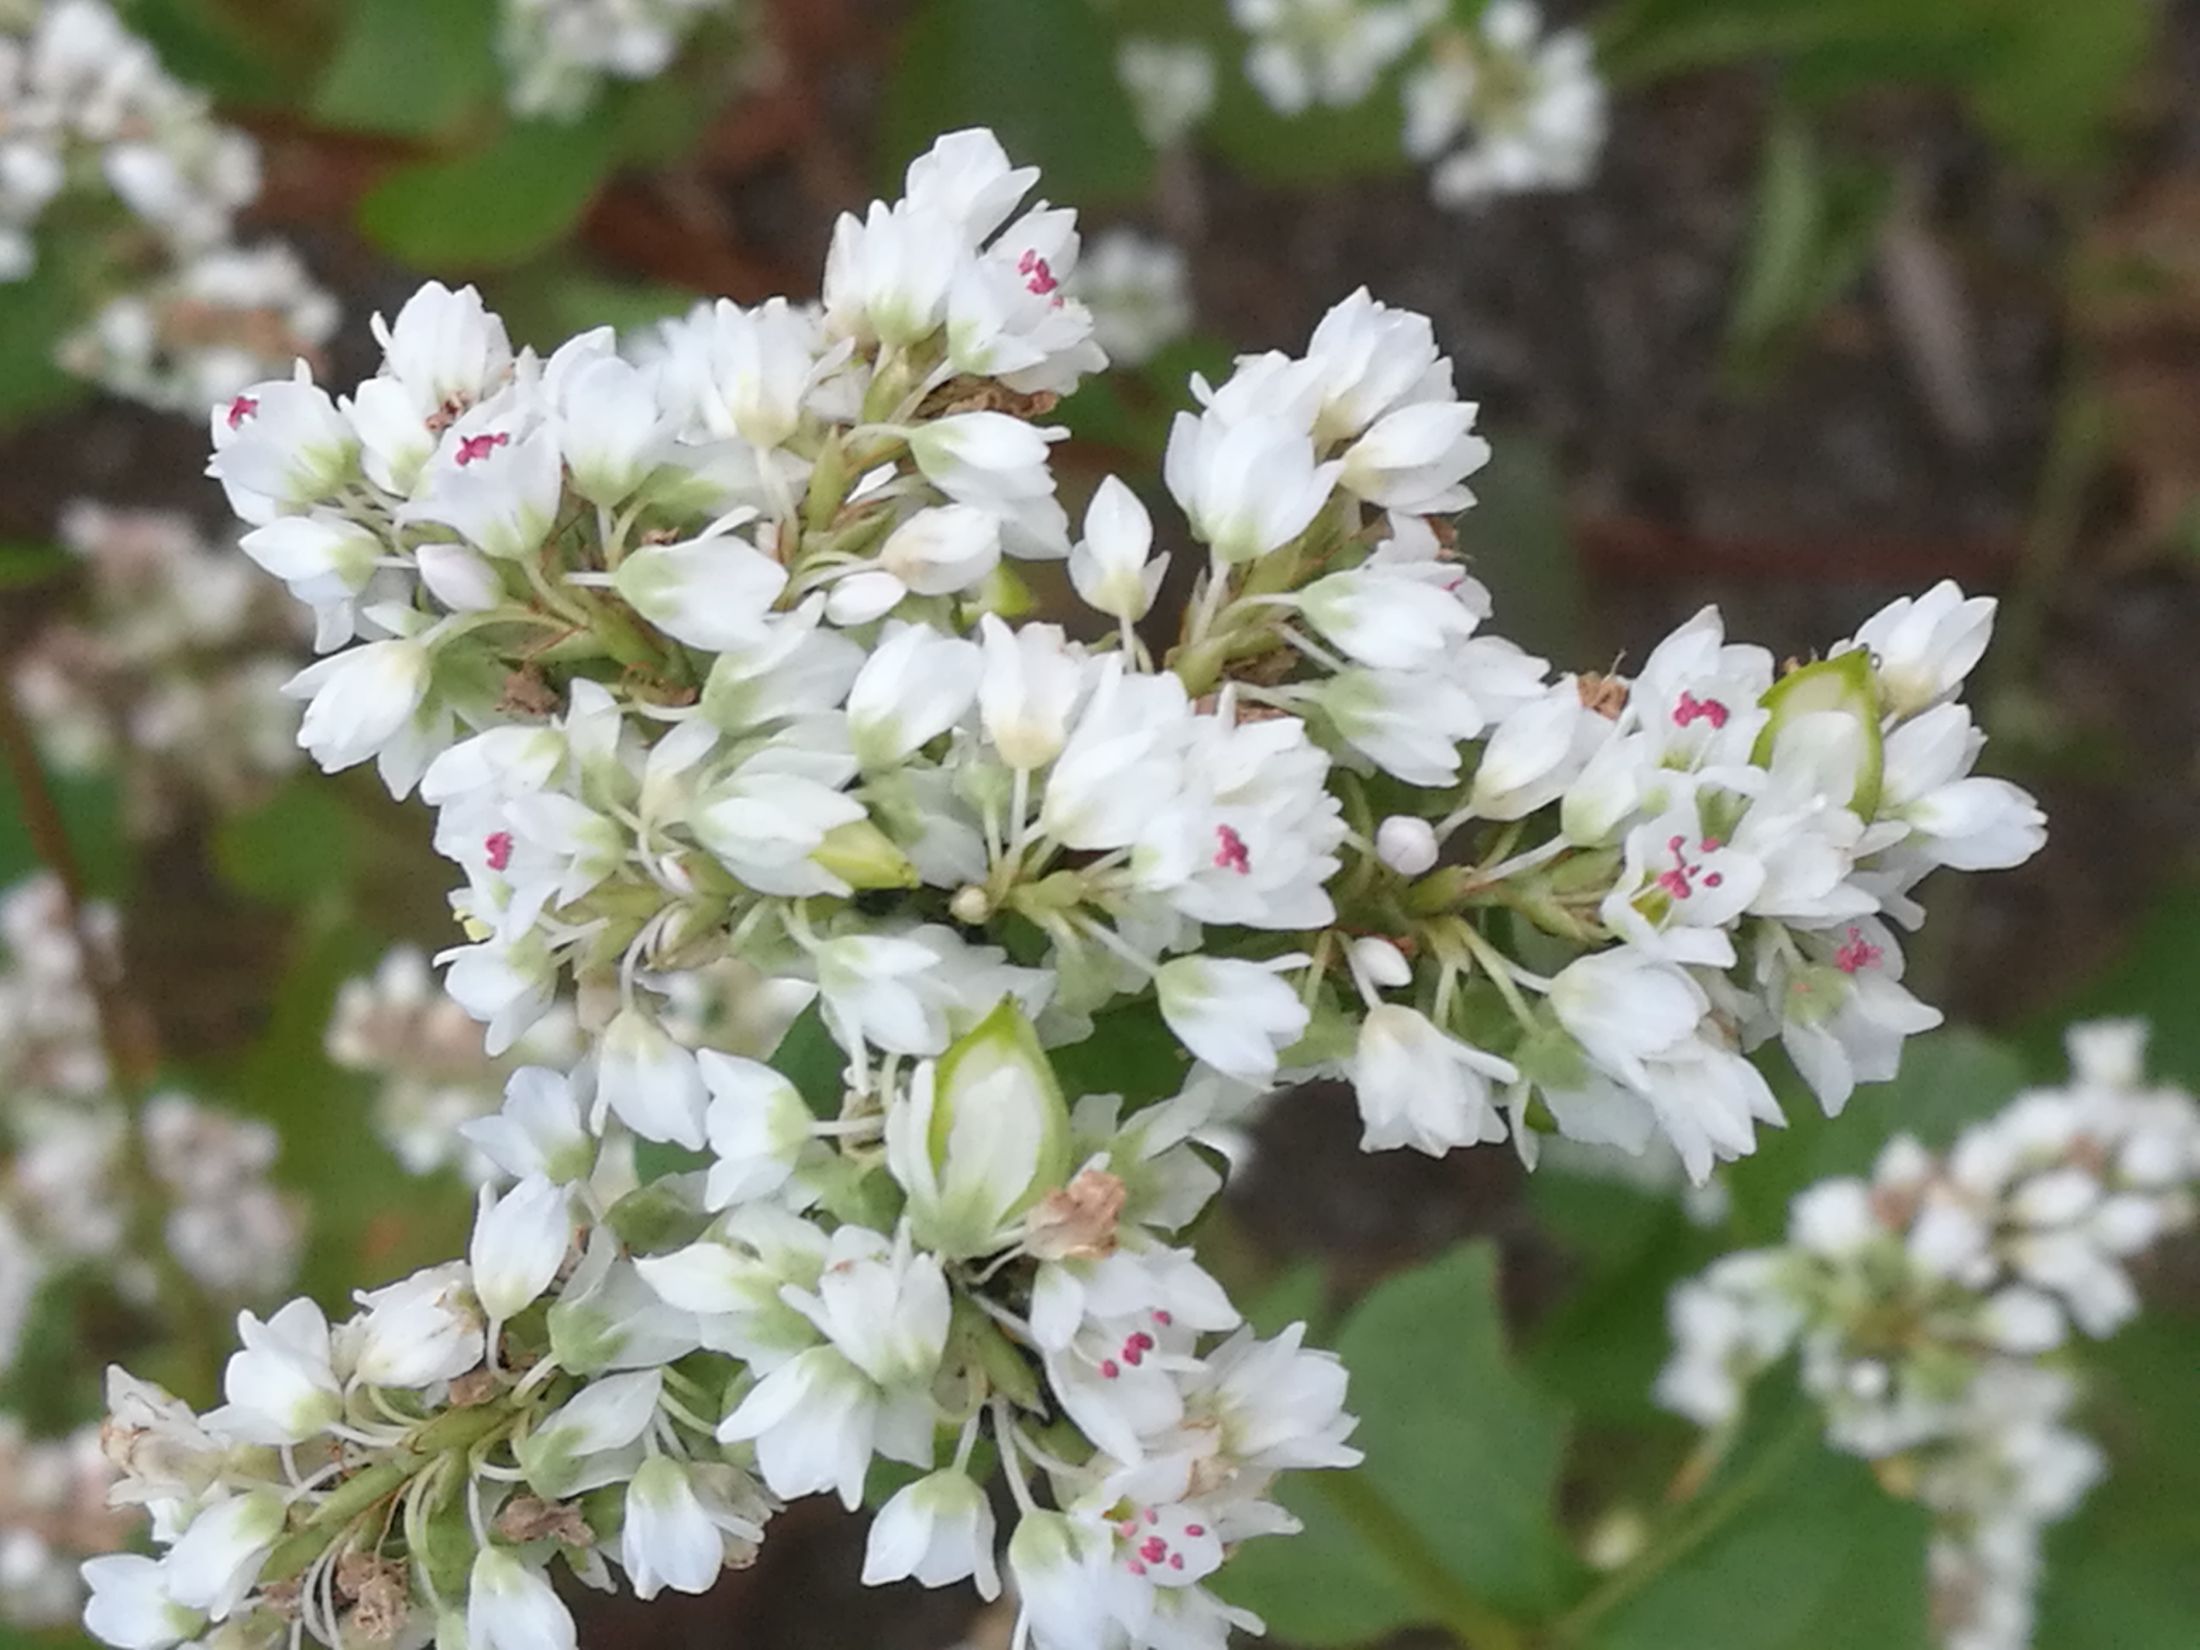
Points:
x=560, y=54
x=92, y=1187
x=1495, y=107
x=53, y=1515
x=426, y=1053
x=1933, y=1306
x=170, y=673
x=727, y=656
x=140, y=187
x=1139, y=290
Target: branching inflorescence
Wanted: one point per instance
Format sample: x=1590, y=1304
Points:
x=1934, y=1306
x=729, y=656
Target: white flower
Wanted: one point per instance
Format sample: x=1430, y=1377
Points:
x=1535, y=753
x=1392, y=617
x=1417, y=458
x=966, y=178
x=281, y=1388
x=132, y=1607
x=1955, y=818
x=1306, y=52
x=577, y=1446
x=1113, y=567
x=459, y=578
x=1137, y=289
x=649, y=1082
x=419, y=1330
x=1237, y=1016
x=1171, y=85
x=748, y=370
x=445, y=349
x=1369, y=358
x=1418, y=1087
x=1922, y=647
x=1028, y=688
x=216, y=1560
x=540, y=1129
x=887, y=273
x=611, y=430
x=1247, y=487
x=914, y=687
x=937, y=1531
x=281, y=445
x=712, y=592
x=510, y=1605
x=519, y=1242
x=499, y=489
x=674, y=1533
x=941, y=551
x=360, y=700
x=985, y=458
x=322, y=557
x=757, y=1125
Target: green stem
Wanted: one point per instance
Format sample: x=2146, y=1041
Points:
x=1472, y=1623
x=1691, y=1532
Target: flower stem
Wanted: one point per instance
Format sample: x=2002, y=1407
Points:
x=1706, y=1519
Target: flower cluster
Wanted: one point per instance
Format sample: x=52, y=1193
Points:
x=134, y=1196
x=425, y=1053
x=728, y=656
x=558, y=54
x=1139, y=292
x=1496, y=106
x=172, y=677
x=99, y=144
x=1932, y=1305
x=53, y=1515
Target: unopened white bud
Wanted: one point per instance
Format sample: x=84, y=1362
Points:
x=1406, y=844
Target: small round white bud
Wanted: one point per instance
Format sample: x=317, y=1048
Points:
x=1405, y=844
x=970, y=906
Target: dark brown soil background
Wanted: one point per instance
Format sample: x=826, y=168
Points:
x=1906, y=439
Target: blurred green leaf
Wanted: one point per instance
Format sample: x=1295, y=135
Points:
x=28, y=564
x=1799, y=1549
x=2156, y=979
x=522, y=192
x=48, y=303
x=1457, y=1494
x=91, y=814
x=2043, y=76
x=1041, y=73
x=553, y=298
x=1518, y=541
x=209, y=45
x=1814, y=227
x=294, y=847
x=410, y=67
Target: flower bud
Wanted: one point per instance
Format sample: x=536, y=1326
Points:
x=463, y=580
x=863, y=856
x=520, y=1241
x=650, y=1081
x=979, y=1137
x=1406, y=844
x=512, y=1606
x=1841, y=695
x=937, y=1531
x=215, y=1562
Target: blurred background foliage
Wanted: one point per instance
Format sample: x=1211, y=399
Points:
x=1867, y=292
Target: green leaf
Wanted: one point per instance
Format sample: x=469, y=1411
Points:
x=23, y=565
x=50, y=302
x=2156, y=979
x=1041, y=73
x=1452, y=1515
x=91, y=813
x=808, y=1058
x=293, y=848
x=524, y=191
x=1131, y=1052
x=207, y=44
x=1814, y=228
x=1810, y=1555
x=410, y=67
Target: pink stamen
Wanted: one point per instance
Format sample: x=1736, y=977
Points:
x=1856, y=953
x=1154, y=1550
x=1136, y=1568
x=1127, y=1529
x=1110, y=1369
x=473, y=448
x=1143, y=1341
x=1164, y=1319
x=241, y=409
x=1232, y=854
x=1038, y=278
x=1176, y=1561
x=1195, y=1529
x=1152, y=1517
x=499, y=844
x=1692, y=709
